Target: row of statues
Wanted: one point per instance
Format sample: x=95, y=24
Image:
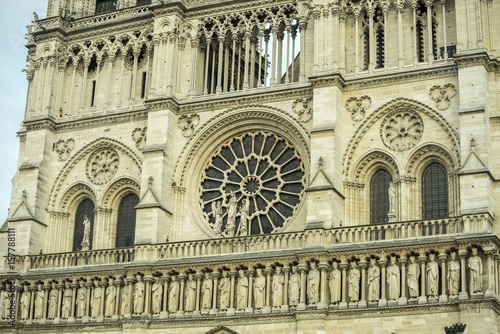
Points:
x=232, y=211
x=276, y=288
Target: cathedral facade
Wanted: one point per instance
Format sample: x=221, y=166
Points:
x=252, y=166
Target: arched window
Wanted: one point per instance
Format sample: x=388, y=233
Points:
x=379, y=197
x=84, y=209
x=125, y=229
x=434, y=192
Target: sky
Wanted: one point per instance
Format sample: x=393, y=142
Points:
x=13, y=86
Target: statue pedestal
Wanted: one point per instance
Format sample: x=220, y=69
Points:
x=422, y=300
x=145, y=316
x=391, y=216
x=43, y=321
x=402, y=301
x=432, y=299
x=463, y=295
x=127, y=316
x=489, y=293
x=249, y=310
x=342, y=305
x=56, y=320
x=334, y=306
x=301, y=307
x=163, y=315
x=266, y=310
x=322, y=306
x=71, y=319
x=115, y=317
x=85, y=246
x=100, y=318
x=382, y=302
x=372, y=304
x=284, y=308
x=362, y=304
x=476, y=295
x=213, y=312
x=179, y=314
x=85, y=319
x=240, y=312
x=231, y=311
x=353, y=304
x=392, y=302
x=443, y=298
x=196, y=314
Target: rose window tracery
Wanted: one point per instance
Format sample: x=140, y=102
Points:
x=401, y=130
x=252, y=185
x=102, y=166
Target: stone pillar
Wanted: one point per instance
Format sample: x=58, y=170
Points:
x=88, y=286
x=74, y=286
x=463, y=292
x=323, y=268
x=490, y=292
x=267, y=306
x=284, y=307
x=128, y=312
x=148, y=280
x=403, y=300
x=46, y=289
x=249, y=309
x=215, y=277
x=231, y=310
x=343, y=303
x=32, y=290
x=182, y=280
x=164, y=312
x=443, y=297
x=383, y=282
x=422, y=299
x=362, y=302
x=303, y=283
x=118, y=286
x=60, y=288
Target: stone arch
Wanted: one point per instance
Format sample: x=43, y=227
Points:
x=221, y=330
x=74, y=195
x=370, y=162
x=115, y=192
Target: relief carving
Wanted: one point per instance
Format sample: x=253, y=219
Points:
x=303, y=109
x=187, y=124
x=139, y=137
x=401, y=130
x=64, y=147
x=442, y=95
x=102, y=165
x=358, y=106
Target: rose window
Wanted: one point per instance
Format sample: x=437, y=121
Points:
x=252, y=185
x=102, y=166
x=402, y=130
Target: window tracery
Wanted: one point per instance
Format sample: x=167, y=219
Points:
x=84, y=210
x=125, y=230
x=434, y=192
x=380, y=199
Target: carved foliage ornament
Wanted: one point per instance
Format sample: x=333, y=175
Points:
x=139, y=137
x=357, y=106
x=442, y=95
x=64, y=147
x=187, y=123
x=258, y=176
x=401, y=129
x=303, y=109
x=102, y=165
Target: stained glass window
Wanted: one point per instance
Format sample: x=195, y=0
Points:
x=125, y=229
x=379, y=197
x=434, y=192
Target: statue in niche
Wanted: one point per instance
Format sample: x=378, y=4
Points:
x=6, y=302
x=139, y=295
x=110, y=298
x=86, y=234
x=124, y=301
x=432, y=271
x=334, y=283
x=206, y=294
x=373, y=281
x=25, y=303
x=39, y=302
x=313, y=283
x=96, y=299
x=190, y=293
x=392, y=196
x=393, y=279
x=81, y=300
x=218, y=211
x=224, y=291
x=244, y=214
x=66, y=301
x=453, y=275
x=413, y=276
x=173, y=295
x=294, y=287
x=231, y=215
x=354, y=276
x=242, y=290
x=53, y=295
x=475, y=265
x=157, y=292
x=277, y=288
x=259, y=289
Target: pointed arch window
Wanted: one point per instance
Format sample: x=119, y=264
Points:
x=84, y=209
x=434, y=192
x=103, y=6
x=125, y=229
x=379, y=197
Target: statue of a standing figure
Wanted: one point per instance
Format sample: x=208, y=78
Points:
x=86, y=234
x=412, y=277
x=393, y=279
x=224, y=291
x=354, y=276
x=39, y=302
x=25, y=303
x=139, y=295
x=124, y=300
x=173, y=295
x=190, y=293
x=81, y=301
x=476, y=272
x=453, y=275
x=206, y=292
x=53, y=295
x=218, y=212
x=157, y=291
x=110, y=299
x=373, y=281
x=242, y=290
x=313, y=284
x=244, y=213
x=259, y=289
x=334, y=283
x=96, y=299
x=231, y=215
x=277, y=287
x=66, y=300
x=392, y=196
x=294, y=287
x=432, y=270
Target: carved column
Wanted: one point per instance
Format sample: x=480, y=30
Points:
x=267, y=291
x=215, y=277
x=323, y=269
x=60, y=288
x=74, y=286
x=284, y=307
x=148, y=280
x=164, y=312
x=303, y=283
x=86, y=62
x=231, y=310
x=443, y=297
x=403, y=300
x=182, y=280
x=383, y=276
x=194, y=65
x=362, y=265
x=197, y=278
x=303, y=28
x=118, y=286
x=46, y=289
x=32, y=290
x=87, y=285
x=463, y=256
x=343, y=268
x=422, y=299
x=249, y=309
x=130, y=297
x=489, y=292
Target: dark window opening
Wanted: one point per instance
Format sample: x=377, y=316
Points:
x=125, y=230
x=103, y=6
x=143, y=2
x=434, y=192
x=143, y=85
x=92, y=98
x=85, y=209
x=379, y=197
x=380, y=48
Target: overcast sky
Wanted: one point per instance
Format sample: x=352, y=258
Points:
x=14, y=18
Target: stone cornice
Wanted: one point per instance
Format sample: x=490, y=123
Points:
x=476, y=58
x=206, y=8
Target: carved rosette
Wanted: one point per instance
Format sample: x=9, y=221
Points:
x=102, y=165
x=303, y=109
x=139, y=137
x=187, y=124
x=401, y=129
x=64, y=147
x=442, y=95
x=357, y=106
x=257, y=167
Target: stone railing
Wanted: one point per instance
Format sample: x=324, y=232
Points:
x=252, y=244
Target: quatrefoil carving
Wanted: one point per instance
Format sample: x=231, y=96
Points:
x=357, y=106
x=442, y=95
x=139, y=137
x=303, y=109
x=64, y=147
x=187, y=123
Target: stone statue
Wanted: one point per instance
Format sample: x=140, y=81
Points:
x=334, y=283
x=95, y=306
x=393, y=279
x=432, y=271
x=294, y=287
x=475, y=265
x=453, y=275
x=206, y=292
x=66, y=301
x=110, y=299
x=412, y=277
x=6, y=302
x=25, y=303
x=231, y=215
x=53, y=295
x=241, y=290
x=157, y=292
x=218, y=213
x=373, y=281
x=86, y=234
x=259, y=289
x=190, y=293
x=224, y=291
x=313, y=284
x=244, y=213
x=392, y=196
x=39, y=302
x=173, y=295
x=139, y=295
x=277, y=288
x=354, y=276
x=124, y=300
x=81, y=301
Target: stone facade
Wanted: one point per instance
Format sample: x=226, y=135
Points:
x=308, y=166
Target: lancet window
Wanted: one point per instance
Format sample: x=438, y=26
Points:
x=434, y=192
x=426, y=30
x=125, y=230
x=82, y=232
x=103, y=6
x=379, y=197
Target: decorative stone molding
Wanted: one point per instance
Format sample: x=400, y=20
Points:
x=64, y=147
x=187, y=124
x=303, y=109
x=401, y=130
x=358, y=106
x=442, y=95
x=139, y=137
x=102, y=165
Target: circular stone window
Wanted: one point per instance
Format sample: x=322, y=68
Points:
x=401, y=130
x=252, y=185
x=102, y=165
